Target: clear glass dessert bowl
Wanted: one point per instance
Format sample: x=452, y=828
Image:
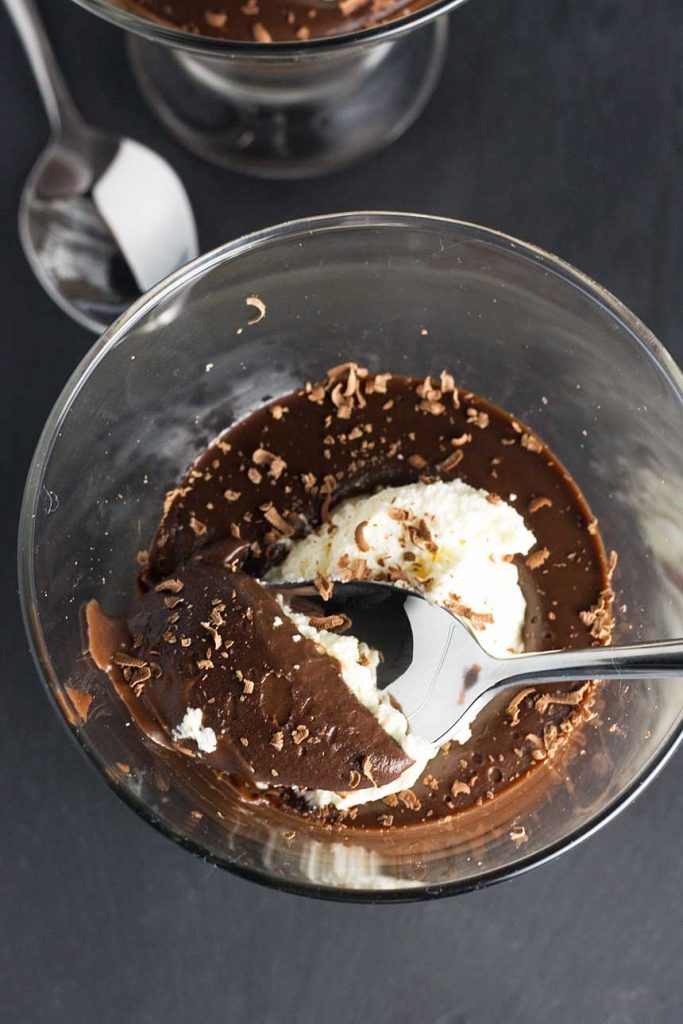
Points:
x=397, y=292
x=286, y=109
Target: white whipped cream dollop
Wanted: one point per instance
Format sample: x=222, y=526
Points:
x=447, y=540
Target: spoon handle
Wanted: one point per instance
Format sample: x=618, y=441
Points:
x=639, y=661
x=58, y=103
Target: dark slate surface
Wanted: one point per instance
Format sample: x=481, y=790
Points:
x=560, y=122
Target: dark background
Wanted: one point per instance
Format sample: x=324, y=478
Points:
x=561, y=122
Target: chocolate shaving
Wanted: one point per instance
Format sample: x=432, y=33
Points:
x=432, y=407
x=458, y=788
x=197, y=526
x=537, y=558
x=531, y=443
x=331, y=623
x=536, y=504
x=477, y=418
x=324, y=586
x=367, y=769
x=453, y=460
x=300, y=734
x=359, y=536
x=275, y=519
x=277, y=740
x=409, y=800
x=124, y=660
x=515, y=705
x=175, y=586
x=599, y=617
x=572, y=698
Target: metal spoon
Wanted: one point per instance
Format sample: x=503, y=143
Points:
x=102, y=218
x=435, y=667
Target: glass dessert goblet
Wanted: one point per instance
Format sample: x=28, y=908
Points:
x=287, y=109
x=395, y=292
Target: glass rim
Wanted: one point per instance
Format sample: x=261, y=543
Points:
x=78, y=379
x=212, y=47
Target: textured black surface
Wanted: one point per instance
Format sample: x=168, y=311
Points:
x=561, y=122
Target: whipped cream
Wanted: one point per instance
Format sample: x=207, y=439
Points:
x=191, y=728
x=447, y=540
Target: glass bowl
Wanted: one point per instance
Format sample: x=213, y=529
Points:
x=289, y=109
x=396, y=292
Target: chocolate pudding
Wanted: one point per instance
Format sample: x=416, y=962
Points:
x=266, y=21
x=388, y=478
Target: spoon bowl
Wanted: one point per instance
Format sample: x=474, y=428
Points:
x=433, y=665
x=102, y=218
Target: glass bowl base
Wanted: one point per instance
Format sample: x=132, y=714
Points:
x=292, y=117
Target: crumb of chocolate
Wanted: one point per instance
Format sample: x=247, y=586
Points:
x=537, y=558
x=536, y=504
x=277, y=740
x=331, y=623
x=215, y=635
x=254, y=475
x=367, y=769
x=447, y=382
x=232, y=495
x=430, y=782
x=518, y=835
x=386, y=820
x=457, y=442
x=432, y=407
x=261, y=35
x=174, y=585
x=458, y=787
x=197, y=526
x=572, y=698
x=359, y=536
x=271, y=514
x=300, y=734
x=514, y=707
x=409, y=800
x=453, y=460
x=417, y=462
x=493, y=498
x=277, y=412
x=477, y=418
x=401, y=515
x=531, y=443
x=124, y=660
x=599, y=616
x=359, y=569
x=478, y=619
x=185, y=641
x=324, y=586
